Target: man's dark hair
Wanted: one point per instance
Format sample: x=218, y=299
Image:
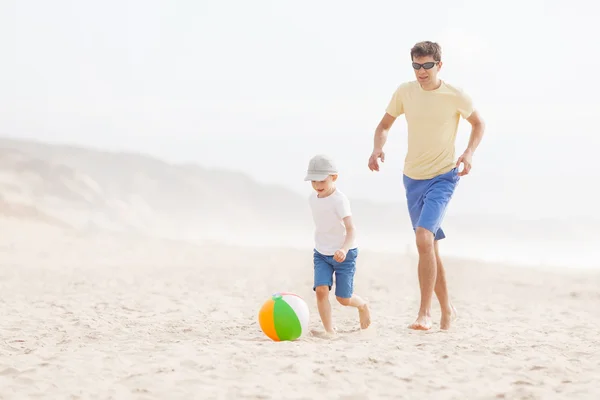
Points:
x=426, y=48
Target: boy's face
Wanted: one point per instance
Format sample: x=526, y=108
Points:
x=326, y=186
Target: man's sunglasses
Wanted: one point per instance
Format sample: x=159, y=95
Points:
x=427, y=65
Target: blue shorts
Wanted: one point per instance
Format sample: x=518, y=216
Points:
x=325, y=266
x=428, y=199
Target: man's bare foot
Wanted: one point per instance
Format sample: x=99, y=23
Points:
x=422, y=323
x=447, y=318
x=364, y=314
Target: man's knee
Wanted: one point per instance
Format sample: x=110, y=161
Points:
x=322, y=292
x=425, y=240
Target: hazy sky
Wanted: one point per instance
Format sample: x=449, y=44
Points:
x=204, y=81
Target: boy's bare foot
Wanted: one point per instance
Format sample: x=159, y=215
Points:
x=448, y=317
x=324, y=334
x=364, y=314
x=422, y=323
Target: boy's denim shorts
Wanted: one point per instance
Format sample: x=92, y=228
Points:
x=428, y=199
x=326, y=266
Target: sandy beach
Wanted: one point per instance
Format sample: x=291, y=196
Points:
x=156, y=189
x=119, y=317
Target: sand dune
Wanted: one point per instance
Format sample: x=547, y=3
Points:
x=93, y=189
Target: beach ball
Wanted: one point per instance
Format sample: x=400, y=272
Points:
x=284, y=317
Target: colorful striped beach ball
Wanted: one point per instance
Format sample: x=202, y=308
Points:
x=284, y=317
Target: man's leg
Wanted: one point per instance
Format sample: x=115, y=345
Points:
x=441, y=291
x=428, y=232
x=415, y=195
x=431, y=270
x=427, y=277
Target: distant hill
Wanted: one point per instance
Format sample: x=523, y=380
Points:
x=85, y=190
x=82, y=188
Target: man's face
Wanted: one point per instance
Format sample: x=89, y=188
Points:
x=427, y=69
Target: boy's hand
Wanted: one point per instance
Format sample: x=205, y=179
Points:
x=340, y=255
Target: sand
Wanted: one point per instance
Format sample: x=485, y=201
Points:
x=114, y=317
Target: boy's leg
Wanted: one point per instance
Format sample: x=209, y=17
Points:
x=436, y=198
x=344, y=288
x=323, y=280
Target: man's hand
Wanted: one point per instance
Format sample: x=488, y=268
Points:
x=340, y=255
x=379, y=140
x=466, y=159
x=373, y=164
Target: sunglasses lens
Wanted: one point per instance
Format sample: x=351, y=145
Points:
x=427, y=65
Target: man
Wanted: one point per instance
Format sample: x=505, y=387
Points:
x=432, y=109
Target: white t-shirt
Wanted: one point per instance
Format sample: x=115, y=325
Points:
x=328, y=214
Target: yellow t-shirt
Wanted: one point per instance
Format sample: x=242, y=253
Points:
x=432, y=118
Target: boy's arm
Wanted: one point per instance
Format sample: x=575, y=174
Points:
x=340, y=255
x=345, y=213
x=350, y=233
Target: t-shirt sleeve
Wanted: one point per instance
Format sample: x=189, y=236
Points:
x=465, y=104
x=343, y=207
x=396, y=106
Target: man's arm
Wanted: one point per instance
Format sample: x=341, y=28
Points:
x=381, y=133
x=477, y=130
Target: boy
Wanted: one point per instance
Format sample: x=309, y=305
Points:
x=335, y=250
